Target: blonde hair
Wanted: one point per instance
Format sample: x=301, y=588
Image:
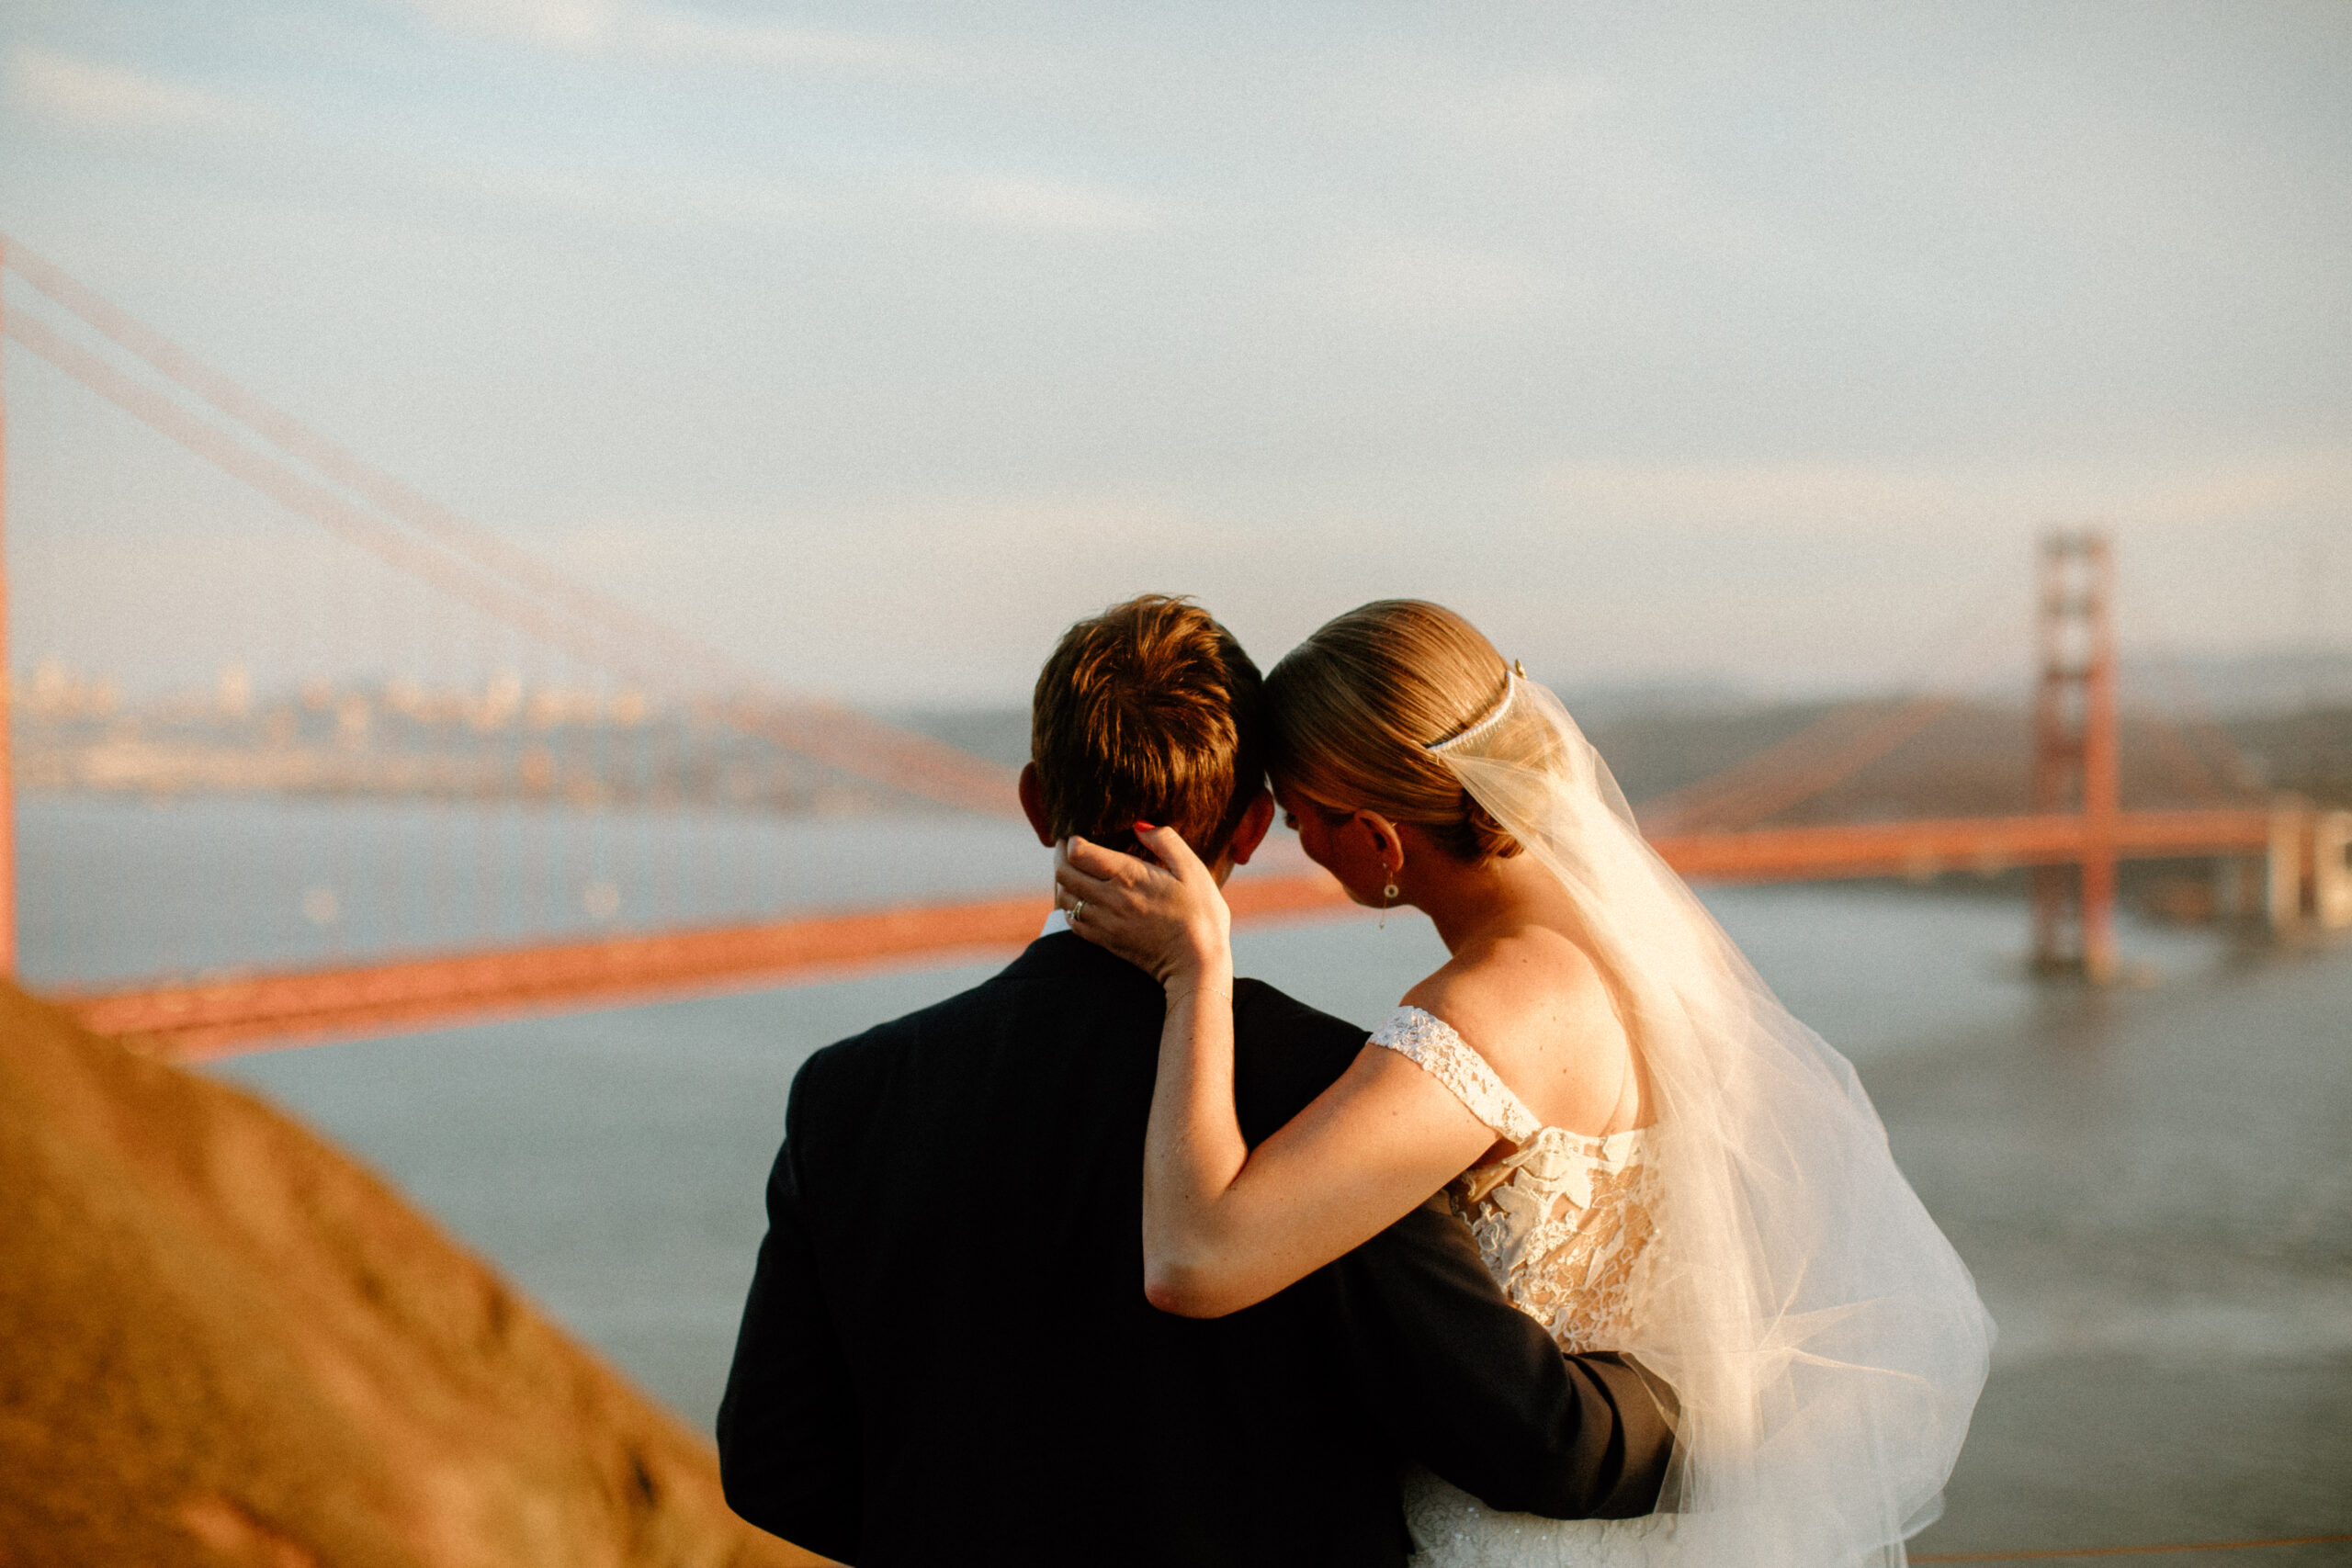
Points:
x=1356, y=706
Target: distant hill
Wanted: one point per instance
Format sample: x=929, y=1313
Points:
x=998, y=734
x=1973, y=760
x=2267, y=684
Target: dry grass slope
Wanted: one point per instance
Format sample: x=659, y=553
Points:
x=223, y=1342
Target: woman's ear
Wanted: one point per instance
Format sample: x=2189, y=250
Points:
x=1387, y=844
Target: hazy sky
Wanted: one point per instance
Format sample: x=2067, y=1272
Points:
x=879, y=341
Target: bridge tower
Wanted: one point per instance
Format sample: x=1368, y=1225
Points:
x=2075, y=760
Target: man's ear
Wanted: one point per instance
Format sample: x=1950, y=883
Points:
x=1033, y=805
x=1257, y=818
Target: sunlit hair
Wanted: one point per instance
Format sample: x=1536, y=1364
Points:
x=1148, y=711
x=1356, y=706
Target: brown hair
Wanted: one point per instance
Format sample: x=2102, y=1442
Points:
x=1150, y=710
x=1355, y=708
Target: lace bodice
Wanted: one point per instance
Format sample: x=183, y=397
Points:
x=1563, y=1219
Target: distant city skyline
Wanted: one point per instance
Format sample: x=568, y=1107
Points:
x=1670, y=344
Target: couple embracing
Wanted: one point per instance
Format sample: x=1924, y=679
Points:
x=1590, y=1255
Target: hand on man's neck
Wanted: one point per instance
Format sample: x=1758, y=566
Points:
x=1257, y=820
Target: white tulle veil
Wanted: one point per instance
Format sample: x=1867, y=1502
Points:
x=1825, y=1342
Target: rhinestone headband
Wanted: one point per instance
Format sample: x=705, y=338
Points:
x=1511, y=678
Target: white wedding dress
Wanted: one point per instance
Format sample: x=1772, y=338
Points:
x=1565, y=1223
x=1754, y=1245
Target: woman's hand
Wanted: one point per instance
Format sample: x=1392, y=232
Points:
x=1168, y=920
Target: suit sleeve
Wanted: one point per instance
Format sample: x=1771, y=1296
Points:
x=788, y=1423
x=1475, y=1389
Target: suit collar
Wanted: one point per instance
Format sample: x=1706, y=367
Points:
x=1066, y=956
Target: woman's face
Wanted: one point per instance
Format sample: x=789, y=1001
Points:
x=1339, y=845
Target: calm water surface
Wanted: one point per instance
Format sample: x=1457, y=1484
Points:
x=2153, y=1184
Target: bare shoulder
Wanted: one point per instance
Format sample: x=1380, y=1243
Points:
x=1534, y=1005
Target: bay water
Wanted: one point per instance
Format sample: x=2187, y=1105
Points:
x=2151, y=1182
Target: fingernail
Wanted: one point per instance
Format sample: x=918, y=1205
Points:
x=1143, y=827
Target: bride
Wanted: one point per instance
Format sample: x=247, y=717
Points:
x=1654, y=1156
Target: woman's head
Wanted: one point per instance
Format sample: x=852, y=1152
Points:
x=1356, y=706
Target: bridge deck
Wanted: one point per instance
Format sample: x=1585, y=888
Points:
x=215, y=1017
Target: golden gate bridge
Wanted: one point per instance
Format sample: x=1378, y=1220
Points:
x=622, y=718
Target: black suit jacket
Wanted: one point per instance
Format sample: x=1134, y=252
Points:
x=946, y=1356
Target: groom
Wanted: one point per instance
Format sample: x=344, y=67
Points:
x=946, y=1357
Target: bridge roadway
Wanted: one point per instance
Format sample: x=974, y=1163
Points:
x=202, y=1019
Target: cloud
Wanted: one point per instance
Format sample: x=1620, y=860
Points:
x=574, y=27
x=626, y=29
x=687, y=199
x=1514, y=114
x=1801, y=497
x=1024, y=202
x=89, y=96
x=683, y=201
x=1777, y=494
x=685, y=35
x=1425, y=281
x=2314, y=483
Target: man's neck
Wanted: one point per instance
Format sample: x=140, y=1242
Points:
x=1058, y=919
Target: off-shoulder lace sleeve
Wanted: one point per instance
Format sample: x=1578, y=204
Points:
x=1429, y=1040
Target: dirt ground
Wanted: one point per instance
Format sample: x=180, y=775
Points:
x=222, y=1341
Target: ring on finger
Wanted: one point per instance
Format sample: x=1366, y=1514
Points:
x=1077, y=910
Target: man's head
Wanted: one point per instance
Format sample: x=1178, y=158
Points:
x=1148, y=712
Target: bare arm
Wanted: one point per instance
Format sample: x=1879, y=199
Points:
x=1224, y=1226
